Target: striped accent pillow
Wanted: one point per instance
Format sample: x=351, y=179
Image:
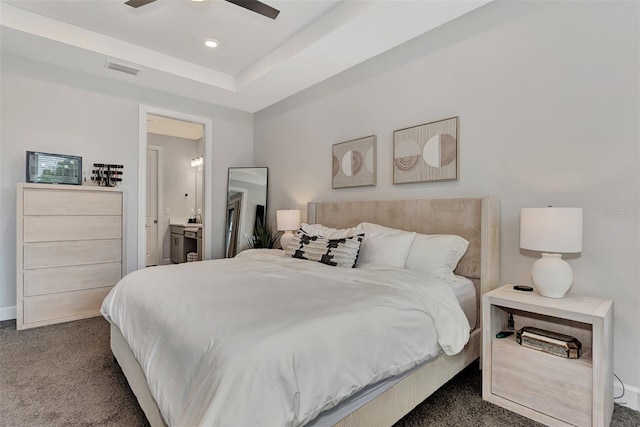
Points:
x=335, y=252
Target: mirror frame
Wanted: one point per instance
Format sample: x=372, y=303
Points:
x=226, y=215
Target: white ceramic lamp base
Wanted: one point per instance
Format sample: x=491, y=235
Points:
x=285, y=239
x=552, y=275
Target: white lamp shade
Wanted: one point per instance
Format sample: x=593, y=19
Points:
x=556, y=230
x=288, y=220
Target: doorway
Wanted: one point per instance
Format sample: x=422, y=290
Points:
x=181, y=197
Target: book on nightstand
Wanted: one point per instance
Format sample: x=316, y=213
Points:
x=549, y=342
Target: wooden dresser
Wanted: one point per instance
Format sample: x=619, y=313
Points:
x=69, y=251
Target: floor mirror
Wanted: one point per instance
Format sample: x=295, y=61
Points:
x=246, y=206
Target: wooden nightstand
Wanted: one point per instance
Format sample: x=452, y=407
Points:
x=547, y=388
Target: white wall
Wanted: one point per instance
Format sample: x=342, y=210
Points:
x=179, y=178
x=59, y=110
x=548, y=99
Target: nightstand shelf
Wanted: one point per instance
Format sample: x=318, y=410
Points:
x=510, y=344
x=541, y=386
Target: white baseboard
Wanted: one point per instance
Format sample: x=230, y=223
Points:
x=631, y=398
x=7, y=313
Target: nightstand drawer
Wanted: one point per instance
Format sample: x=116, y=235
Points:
x=549, y=384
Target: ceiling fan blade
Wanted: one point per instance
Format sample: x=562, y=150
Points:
x=256, y=6
x=138, y=3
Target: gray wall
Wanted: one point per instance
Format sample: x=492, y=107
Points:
x=59, y=110
x=547, y=95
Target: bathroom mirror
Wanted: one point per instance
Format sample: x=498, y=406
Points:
x=246, y=205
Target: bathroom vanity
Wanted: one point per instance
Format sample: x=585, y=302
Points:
x=185, y=238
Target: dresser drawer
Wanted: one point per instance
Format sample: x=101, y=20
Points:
x=40, y=201
x=561, y=388
x=76, y=304
x=60, y=228
x=62, y=279
x=176, y=229
x=62, y=254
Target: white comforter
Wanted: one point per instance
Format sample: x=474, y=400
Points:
x=264, y=340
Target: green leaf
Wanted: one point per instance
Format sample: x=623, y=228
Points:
x=264, y=237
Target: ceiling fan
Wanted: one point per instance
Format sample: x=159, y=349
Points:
x=252, y=5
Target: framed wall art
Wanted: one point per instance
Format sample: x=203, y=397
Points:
x=354, y=163
x=426, y=153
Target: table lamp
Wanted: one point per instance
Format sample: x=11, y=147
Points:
x=287, y=220
x=551, y=231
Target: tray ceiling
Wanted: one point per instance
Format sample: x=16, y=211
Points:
x=259, y=61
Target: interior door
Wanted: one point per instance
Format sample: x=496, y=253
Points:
x=152, y=253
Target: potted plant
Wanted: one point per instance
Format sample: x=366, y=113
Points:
x=264, y=237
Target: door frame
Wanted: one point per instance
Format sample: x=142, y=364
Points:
x=243, y=197
x=207, y=194
x=160, y=177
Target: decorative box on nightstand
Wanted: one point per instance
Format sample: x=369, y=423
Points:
x=547, y=388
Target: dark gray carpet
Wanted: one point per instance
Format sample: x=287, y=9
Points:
x=64, y=375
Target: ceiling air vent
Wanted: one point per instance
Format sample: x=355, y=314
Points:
x=123, y=68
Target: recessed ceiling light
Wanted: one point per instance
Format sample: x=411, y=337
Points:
x=197, y=0
x=212, y=43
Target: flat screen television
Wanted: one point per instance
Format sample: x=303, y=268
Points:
x=48, y=168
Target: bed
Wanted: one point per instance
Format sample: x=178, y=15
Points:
x=383, y=402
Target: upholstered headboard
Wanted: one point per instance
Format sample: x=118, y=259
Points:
x=475, y=219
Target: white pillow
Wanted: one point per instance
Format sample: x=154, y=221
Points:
x=377, y=228
x=328, y=232
x=436, y=255
x=384, y=246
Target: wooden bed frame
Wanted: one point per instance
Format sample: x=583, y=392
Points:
x=475, y=219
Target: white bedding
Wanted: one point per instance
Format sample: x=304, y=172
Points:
x=466, y=294
x=261, y=339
